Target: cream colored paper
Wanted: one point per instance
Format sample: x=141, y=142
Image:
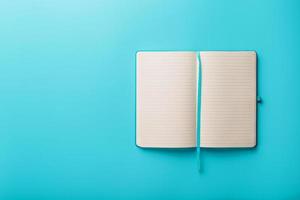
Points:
x=228, y=100
x=166, y=99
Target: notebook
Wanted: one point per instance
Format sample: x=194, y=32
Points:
x=181, y=95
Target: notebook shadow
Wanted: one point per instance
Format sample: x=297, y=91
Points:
x=177, y=152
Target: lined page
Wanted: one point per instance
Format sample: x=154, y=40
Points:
x=228, y=99
x=166, y=99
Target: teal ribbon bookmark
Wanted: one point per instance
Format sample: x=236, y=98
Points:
x=198, y=110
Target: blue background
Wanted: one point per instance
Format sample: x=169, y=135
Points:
x=67, y=99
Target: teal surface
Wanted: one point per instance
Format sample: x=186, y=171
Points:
x=67, y=104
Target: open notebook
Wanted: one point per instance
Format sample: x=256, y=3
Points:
x=176, y=92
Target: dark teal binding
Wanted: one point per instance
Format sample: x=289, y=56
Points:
x=258, y=99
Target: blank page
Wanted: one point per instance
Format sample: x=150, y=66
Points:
x=228, y=99
x=166, y=99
